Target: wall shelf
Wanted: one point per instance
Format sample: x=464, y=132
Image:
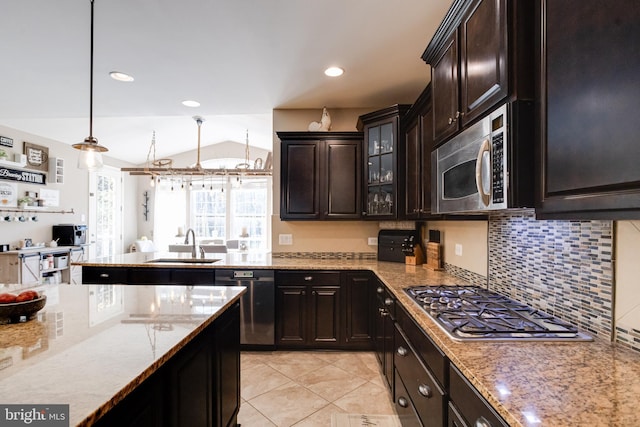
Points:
x=11, y=164
x=36, y=209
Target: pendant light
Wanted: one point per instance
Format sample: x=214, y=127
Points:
x=90, y=151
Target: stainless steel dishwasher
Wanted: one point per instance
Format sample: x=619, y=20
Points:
x=257, y=305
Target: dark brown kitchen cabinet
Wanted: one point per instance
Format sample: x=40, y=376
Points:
x=467, y=407
x=308, y=309
x=320, y=175
x=197, y=386
x=588, y=62
x=479, y=56
x=416, y=361
x=382, y=152
x=358, y=307
x=418, y=137
x=383, y=330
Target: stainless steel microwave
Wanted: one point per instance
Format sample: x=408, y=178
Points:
x=488, y=166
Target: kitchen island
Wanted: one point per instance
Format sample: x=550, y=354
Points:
x=530, y=383
x=95, y=347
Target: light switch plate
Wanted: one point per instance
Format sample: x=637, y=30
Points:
x=458, y=249
x=285, y=239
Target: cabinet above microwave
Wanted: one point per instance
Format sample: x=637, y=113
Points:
x=480, y=57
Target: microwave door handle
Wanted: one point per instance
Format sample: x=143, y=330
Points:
x=485, y=147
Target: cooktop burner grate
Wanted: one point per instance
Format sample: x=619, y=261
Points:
x=474, y=313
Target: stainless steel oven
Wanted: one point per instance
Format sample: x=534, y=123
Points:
x=488, y=166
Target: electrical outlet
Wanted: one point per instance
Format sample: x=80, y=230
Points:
x=285, y=239
x=458, y=249
x=372, y=241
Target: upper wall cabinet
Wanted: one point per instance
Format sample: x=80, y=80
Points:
x=382, y=149
x=320, y=175
x=589, y=120
x=418, y=142
x=479, y=57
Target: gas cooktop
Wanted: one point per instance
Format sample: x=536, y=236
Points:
x=470, y=313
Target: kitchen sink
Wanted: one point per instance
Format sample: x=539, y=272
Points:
x=185, y=260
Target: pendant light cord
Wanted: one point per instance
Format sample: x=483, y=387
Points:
x=91, y=79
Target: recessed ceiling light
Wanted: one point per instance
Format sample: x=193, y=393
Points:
x=190, y=103
x=121, y=77
x=334, y=71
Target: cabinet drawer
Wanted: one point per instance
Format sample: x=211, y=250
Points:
x=404, y=407
x=430, y=354
x=422, y=388
x=328, y=278
x=149, y=276
x=471, y=405
x=192, y=276
x=104, y=276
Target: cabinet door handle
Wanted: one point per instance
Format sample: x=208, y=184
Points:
x=379, y=290
x=482, y=422
x=104, y=275
x=424, y=390
x=402, y=351
x=383, y=312
x=313, y=293
x=403, y=402
x=308, y=278
x=303, y=293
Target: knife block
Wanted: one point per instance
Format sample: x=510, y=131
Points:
x=434, y=256
x=417, y=258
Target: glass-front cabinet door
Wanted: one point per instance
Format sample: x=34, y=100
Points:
x=380, y=166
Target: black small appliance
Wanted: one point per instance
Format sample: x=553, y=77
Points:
x=70, y=234
x=394, y=245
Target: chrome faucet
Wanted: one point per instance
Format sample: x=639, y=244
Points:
x=193, y=240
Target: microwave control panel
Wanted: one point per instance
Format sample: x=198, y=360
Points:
x=498, y=184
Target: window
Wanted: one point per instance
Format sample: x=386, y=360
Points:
x=233, y=208
x=228, y=208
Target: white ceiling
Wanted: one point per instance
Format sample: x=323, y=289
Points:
x=239, y=58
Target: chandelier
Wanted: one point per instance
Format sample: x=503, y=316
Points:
x=158, y=169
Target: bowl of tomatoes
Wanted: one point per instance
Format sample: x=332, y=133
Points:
x=21, y=307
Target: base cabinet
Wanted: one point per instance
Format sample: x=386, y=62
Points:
x=467, y=407
x=308, y=309
x=383, y=330
x=358, y=306
x=198, y=386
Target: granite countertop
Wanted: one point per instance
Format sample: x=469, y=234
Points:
x=529, y=383
x=91, y=345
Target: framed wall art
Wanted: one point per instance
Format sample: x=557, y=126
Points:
x=37, y=156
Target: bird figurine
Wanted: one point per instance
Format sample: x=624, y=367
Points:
x=324, y=125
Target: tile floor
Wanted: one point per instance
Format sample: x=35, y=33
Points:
x=303, y=388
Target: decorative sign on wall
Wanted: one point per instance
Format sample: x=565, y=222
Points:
x=50, y=197
x=37, y=156
x=7, y=142
x=8, y=194
x=23, y=176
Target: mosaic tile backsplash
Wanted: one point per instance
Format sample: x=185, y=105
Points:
x=561, y=267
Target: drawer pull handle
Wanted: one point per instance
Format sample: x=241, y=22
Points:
x=403, y=402
x=402, y=351
x=104, y=275
x=383, y=312
x=425, y=390
x=388, y=301
x=379, y=290
x=308, y=278
x=482, y=422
